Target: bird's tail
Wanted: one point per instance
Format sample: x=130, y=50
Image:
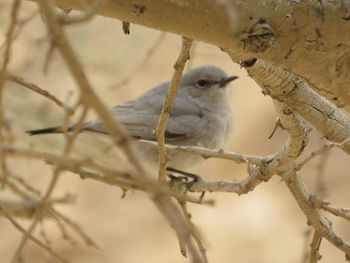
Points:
x=47, y=131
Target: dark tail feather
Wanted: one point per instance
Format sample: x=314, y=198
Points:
x=45, y=131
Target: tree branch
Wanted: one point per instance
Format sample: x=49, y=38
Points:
x=312, y=45
x=168, y=105
x=285, y=87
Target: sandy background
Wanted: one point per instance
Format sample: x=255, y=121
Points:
x=264, y=226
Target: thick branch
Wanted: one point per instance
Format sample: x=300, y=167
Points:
x=296, y=93
x=309, y=38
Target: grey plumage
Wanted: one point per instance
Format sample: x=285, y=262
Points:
x=201, y=116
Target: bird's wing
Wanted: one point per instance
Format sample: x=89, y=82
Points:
x=140, y=117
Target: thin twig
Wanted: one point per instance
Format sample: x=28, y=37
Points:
x=183, y=231
x=38, y=215
x=59, y=216
x=315, y=248
x=341, y=212
x=15, y=189
x=195, y=233
x=312, y=155
x=64, y=232
x=40, y=91
x=168, y=105
x=208, y=153
x=35, y=240
x=189, y=64
x=320, y=187
x=10, y=34
x=25, y=185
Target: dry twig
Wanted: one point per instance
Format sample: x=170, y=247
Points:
x=35, y=240
x=10, y=35
x=41, y=91
x=208, y=153
x=315, y=248
x=168, y=105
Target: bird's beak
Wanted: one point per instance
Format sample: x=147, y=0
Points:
x=225, y=81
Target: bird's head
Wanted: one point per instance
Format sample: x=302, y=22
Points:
x=207, y=85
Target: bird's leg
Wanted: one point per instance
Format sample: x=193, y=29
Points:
x=184, y=177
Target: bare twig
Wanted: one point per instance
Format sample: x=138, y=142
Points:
x=320, y=189
x=312, y=155
x=10, y=35
x=189, y=64
x=48, y=57
x=341, y=212
x=43, y=234
x=28, y=208
x=168, y=105
x=25, y=185
x=59, y=216
x=208, y=153
x=315, y=248
x=277, y=124
x=195, y=234
x=13, y=187
x=64, y=232
x=306, y=202
x=112, y=176
x=41, y=91
x=183, y=231
x=35, y=240
x=38, y=215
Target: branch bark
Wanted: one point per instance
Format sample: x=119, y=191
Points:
x=283, y=86
x=308, y=38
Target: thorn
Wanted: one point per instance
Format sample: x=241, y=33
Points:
x=277, y=124
x=201, y=197
x=126, y=27
x=123, y=194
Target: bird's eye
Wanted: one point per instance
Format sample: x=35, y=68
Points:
x=201, y=83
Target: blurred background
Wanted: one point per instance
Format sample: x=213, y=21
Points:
x=263, y=226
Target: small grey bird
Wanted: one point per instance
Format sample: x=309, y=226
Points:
x=201, y=116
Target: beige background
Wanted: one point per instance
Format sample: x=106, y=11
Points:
x=263, y=226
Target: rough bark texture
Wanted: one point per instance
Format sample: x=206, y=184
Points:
x=309, y=38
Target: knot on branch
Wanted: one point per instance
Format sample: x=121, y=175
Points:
x=259, y=37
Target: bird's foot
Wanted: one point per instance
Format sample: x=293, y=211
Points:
x=188, y=179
